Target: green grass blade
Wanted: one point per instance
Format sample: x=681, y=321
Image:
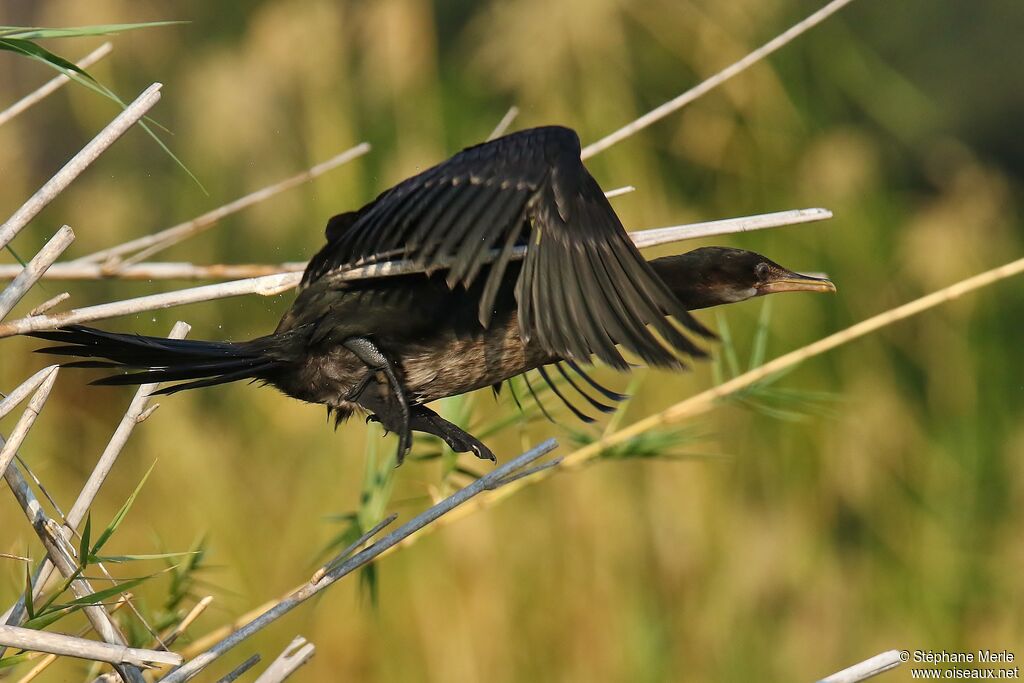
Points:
x=760, y=346
x=39, y=33
x=83, y=547
x=29, y=607
x=728, y=345
x=72, y=71
x=121, y=514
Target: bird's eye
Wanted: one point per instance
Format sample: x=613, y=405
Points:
x=761, y=271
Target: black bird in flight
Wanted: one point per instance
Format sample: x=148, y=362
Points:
x=475, y=316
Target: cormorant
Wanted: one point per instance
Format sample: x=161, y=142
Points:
x=473, y=318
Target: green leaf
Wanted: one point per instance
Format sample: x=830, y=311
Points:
x=38, y=33
x=72, y=71
x=30, y=49
x=83, y=547
x=102, y=595
x=121, y=514
x=14, y=660
x=119, y=559
x=29, y=607
x=67, y=584
x=759, y=348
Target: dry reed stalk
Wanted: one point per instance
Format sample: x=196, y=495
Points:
x=116, y=256
x=709, y=84
x=21, y=392
x=869, y=668
x=504, y=124
x=160, y=270
x=45, y=662
x=50, y=303
x=494, y=479
x=78, y=163
x=619, y=191
x=237, y=672
x=295, y=655
x=270, y=285
x=173, y=633
x=53, y=84
x=27, y=419
x=72, y=646
x=34, y=269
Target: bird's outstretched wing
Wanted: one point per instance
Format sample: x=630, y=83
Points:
x=583, y=288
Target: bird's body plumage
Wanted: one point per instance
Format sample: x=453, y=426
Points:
x=474, y=317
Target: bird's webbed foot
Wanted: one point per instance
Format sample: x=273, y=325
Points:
x=391, y=410
x=426, y=420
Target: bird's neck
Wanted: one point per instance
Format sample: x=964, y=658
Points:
x=683, y=275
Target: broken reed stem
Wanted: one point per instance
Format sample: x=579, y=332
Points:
x=21, y=392
x=174, y=632
x=490, y=481
x=78, y=163
x=151, y=244
x=711, y=83
x=869, y=668
x=269, y=285
x=34, y=269
x=161, y=270
x=53, y=84
x=27, y=419
x=76, y=515
x=82, y=648
x=50, y=303
x=298, y=652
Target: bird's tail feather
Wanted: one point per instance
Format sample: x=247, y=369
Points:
x=204, y=363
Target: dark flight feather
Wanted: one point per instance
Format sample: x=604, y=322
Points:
x=584, y=287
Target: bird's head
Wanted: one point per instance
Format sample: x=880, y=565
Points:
x=711, y=276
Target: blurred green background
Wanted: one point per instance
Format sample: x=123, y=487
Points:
x=889, y=516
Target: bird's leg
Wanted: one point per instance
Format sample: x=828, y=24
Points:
x=426, y=420
x=366, y=351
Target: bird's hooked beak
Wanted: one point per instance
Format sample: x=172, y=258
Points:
x=788, y=281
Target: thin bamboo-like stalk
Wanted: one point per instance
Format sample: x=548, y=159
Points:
x=27, y=419
x=161, y=270
x=34, y=269
x=76, y=270
x=53, y=84
x=492, y=480
x=869, y=668
x=237, y=672
x=22, y=391
x=76, y=515
x=72, y=646
x=50, y=303
x=709, y=84
x=298, y=652
x=619, y=191
x=504, y=124
x=45, y=661
x=175, y=632
x=270, y=285
x=78, y=163
x=151, y=244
